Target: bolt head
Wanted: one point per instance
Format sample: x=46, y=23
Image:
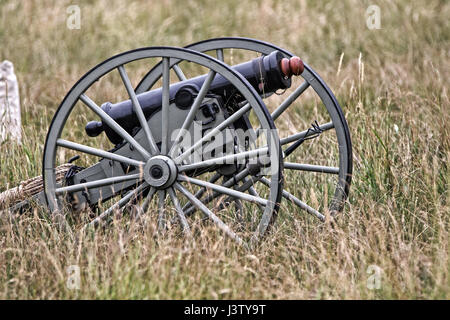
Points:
x=156, y=172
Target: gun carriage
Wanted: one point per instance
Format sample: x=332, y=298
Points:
x=181, y=146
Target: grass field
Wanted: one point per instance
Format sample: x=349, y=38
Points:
x=392, y=84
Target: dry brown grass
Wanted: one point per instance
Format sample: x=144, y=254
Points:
x=398, y=213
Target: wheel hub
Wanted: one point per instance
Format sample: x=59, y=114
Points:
x=160, y=172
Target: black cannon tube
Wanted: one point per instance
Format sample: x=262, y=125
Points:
x=263, y=73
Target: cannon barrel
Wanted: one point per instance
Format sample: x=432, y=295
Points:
x=266, y=74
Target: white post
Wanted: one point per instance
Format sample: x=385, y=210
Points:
x=10, y=123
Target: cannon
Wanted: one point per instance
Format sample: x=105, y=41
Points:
x=195, y=140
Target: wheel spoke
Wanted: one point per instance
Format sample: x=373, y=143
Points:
x=98, y=183
x=98, y=152
x=311, y=167
x=219, y=54
x=114, y=125
x=286, y=103
x=230, y=182
x=228, y=159
x=235, y=116
x=165, y=106
x=194, y=108
x=248, y=186
x=161, y=217
x=252, y=190
x=122, y=202
x=180, y=212
x=305, y=133
x=147, y=201
x=297, y=201
x=138, y=109
x=237, y=203
x=198, y=204
x=202, y=190
x=179, y=72
x=223, y=190
x=239, y=208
